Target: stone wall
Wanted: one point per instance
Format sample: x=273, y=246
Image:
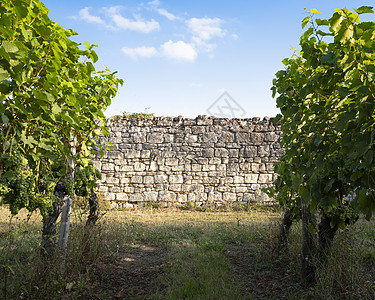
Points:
x=206, y=161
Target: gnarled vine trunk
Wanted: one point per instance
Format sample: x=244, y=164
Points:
x=94, y=209
x=308, y=246
x=49, y=223
x=284, y=231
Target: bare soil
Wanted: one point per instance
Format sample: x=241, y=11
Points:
x=132, y=274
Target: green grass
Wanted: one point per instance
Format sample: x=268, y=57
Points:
x=180, y=254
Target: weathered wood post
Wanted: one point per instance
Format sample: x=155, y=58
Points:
x=65, y=215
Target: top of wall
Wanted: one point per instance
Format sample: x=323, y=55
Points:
x=247, y=123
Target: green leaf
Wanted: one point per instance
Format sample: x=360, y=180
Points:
x=321, y=22
x=305, y=21
x=315, y=11
x=4, y=75
x=9, y=47
x=335, y=22
x=364, y=10
x=329, y=58
x=4, y=118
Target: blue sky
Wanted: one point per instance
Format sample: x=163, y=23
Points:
x=178, y=57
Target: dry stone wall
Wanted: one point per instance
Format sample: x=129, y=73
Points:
x=179, y=161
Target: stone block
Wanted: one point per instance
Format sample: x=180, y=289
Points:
x=122, y=197
x=251, y=178
x=221, y=152
x=238, y=179
x=208, y=152
x=150, y=196
x=155, y=138
x=166, y=196
x=136, y=179
x=215, y=197
x=265, y=178
x=137, y=197
x=229, y=197
x=161, y=178
x=176, y=179
x=148, y=180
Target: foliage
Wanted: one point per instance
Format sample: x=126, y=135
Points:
x=326, y=97
x=50, y=96
x=144, y=115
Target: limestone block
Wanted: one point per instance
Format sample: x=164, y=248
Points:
x=201, y=197
x=174, y=187
x=191, y=138
x=150, y=196
x=122, y=197
x=153, y=166
x=139, y=137
x=221, y=152
x=251, y=178
x=233, y=152
x=161, y=178
x=208, y=152
x=238, y=179
x=108, y=167
x=112, y=180
x=242, y=137
x=124, y=168
x=240, y=189
x=139, y=167
x=255, y=167
x=124, y=181
x=148, y=180
x=263, y=150
x=155, y=138
x=250, y=151
x=137, y=197
x=115, y=155
x=176, y=179
x=171, y=161
x=197, y=188
x=182, y=198
x=198, y=129
x=166, y=196
x=132, y=154
x=178, y=168
x=209, y=137
x=196, y=167
x=97, y=164
x=215, y=196
x=229, y=197
x=206, y=168
x=145, y=154
x=109, y=196
x=257, y=138
x=265, y=178
x=168, y=138
x=136, y=179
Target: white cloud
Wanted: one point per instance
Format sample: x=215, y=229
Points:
x=202, y=45
x=143, y=51
x=179, y=50
x=85, y=15
x=154, y=3
x=136, y=25
x=206, y=28
x=235, y=36
x=167, y=14
x=127, y=24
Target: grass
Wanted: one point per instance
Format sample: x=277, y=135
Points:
x=156, y=253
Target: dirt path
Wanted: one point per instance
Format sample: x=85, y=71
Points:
x=130, y=275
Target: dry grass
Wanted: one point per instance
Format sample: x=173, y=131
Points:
x=179, y=254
